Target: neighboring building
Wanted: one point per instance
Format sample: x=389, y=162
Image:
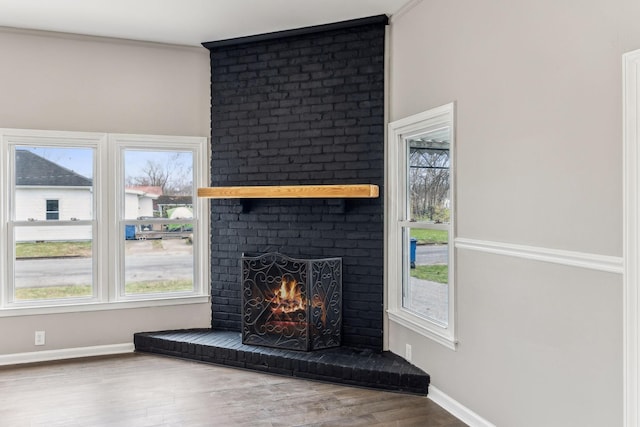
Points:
x=140, y=201
x=46, y=191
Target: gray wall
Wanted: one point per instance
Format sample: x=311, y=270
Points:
x=62, y=82
x=65, y=82
x=539, y=139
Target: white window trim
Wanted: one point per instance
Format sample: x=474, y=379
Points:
x=117, y=144
x=398, y=132
x=105, y=272
x=15, y=137
x=631, y=239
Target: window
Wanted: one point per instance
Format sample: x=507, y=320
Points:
x=69, y=194
x=156, y=245
x=53, y=211
x=420, y=176
x=53, y=256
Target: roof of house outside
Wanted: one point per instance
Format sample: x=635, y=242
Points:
x=32, y=169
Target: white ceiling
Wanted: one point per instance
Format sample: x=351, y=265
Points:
x=186, y=22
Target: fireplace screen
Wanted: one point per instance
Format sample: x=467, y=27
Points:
x=291, y=303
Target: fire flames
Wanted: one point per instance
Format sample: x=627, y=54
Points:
x=288, y=298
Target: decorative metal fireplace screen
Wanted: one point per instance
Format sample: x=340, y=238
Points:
x=291, y=303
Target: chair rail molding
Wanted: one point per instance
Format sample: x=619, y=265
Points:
x=631, y=236
x=609, y=264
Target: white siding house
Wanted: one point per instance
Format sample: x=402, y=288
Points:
x=138, y=201
x=72, y=202
x=46, y=192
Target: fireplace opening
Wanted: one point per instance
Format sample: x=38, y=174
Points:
x=291, y=303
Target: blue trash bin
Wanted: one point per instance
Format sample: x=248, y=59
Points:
x=130, y=232
x=414, y=244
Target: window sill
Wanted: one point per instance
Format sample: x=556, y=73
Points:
x=100, y=306
x=423, y=327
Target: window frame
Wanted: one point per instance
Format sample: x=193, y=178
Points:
x=48, y=212
x=104, y=222
x=397, y=202
x=118, y=143
x=10, y=140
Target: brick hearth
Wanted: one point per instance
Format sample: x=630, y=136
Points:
x=343, y=365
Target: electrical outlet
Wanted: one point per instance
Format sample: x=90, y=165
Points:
x=39, y=338
x=407, y=353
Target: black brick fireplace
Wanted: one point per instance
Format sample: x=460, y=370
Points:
x=301, y=107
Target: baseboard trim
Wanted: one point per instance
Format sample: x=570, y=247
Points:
x=609, y=264
x=65, y=353
x=456, y=409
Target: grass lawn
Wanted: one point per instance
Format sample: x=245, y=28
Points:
x=53, y=249
x=76, y=291
x=151, y=286
x=430, y=237
x=438, y=273
x=53, y=292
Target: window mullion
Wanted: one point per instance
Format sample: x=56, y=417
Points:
x=425, y=225
x=8, y=290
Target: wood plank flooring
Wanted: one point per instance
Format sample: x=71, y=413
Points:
x=136, y=390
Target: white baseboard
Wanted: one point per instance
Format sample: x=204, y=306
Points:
x=65, y=353
x=456, y=409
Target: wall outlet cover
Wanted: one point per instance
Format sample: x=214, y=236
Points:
x=39, y=338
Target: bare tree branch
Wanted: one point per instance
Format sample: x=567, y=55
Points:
x=173, y=176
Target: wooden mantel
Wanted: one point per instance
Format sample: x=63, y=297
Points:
x=290, y=191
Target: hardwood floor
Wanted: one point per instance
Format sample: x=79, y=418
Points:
x=146, y=390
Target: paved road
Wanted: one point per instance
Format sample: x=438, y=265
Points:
x=432, y=254
x=423, y=296
x=148, y=266
x=77, y=271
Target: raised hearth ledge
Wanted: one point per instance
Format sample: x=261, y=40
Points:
x=340, y=365
x=290, y=191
